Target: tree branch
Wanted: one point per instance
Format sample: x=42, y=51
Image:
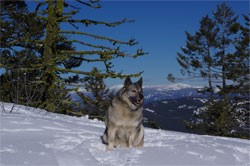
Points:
x=131, y=42
x=89, y=4
x=88, y=22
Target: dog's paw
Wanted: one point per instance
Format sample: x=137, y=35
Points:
x=109, y=147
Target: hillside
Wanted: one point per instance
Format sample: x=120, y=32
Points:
x=171, y=114
x=35, y=137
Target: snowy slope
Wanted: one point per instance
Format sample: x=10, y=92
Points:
x=34, y=137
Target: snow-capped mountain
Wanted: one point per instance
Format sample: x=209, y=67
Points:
x=160, y=92
x=155, y=92
x=174, y=91
x=32, y=136
x=177, y=86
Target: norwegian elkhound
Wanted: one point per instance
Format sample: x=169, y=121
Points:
x=124, y=117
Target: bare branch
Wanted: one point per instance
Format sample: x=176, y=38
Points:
x=89, y=4
x=88, y=22
x=131, y=42
x=87, y=44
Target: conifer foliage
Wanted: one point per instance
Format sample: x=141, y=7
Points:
x=40, y=53
x=20, y=80
x=219, y=53
x=98, y=99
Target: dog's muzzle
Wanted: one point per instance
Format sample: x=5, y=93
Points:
x=138, y=100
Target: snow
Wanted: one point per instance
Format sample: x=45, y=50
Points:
x=182, y=106
x=115, y=88
x=176, y=86
x=35, y=137
x=164, y=102
x=201, y=100
x=149, y=110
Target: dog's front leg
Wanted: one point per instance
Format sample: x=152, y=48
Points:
x=130, y=142
x=131, y=138
x=111, y=137
x=136, y=137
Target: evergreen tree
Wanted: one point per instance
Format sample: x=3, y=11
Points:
x=228, y=27
x=20, y=80
x=97, y=102
x=239, y=65
x=197, y=59
x=240, y=75
x=219, y=52
x=52, y=50
x=60, y=12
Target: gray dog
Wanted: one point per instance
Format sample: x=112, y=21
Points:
x=124, y=117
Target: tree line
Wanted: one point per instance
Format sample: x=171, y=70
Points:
x=218, y=52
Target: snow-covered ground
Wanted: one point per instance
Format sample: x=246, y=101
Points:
x=35, y=137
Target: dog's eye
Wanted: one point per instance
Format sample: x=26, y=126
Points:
x=134, y=91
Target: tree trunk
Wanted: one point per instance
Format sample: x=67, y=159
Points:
x=50, y=54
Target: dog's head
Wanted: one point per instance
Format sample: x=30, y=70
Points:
x=132, y=93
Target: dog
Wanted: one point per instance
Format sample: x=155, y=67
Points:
x=123, y=119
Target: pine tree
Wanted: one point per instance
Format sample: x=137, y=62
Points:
x=40, y=38
x=219, y=52
x=240, y=75
x=228, y=27
x=239, y=65
x=97, y=102
x=58, y=61
x=197, y=58
x=20, y=81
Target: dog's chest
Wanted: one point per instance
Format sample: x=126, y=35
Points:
x=127, y=118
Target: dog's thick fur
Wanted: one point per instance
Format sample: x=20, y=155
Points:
x=124, y=117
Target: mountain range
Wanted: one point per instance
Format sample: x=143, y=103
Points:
x=166, y=106
x=169, y=106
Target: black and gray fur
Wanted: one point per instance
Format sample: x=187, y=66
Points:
x=124, y=117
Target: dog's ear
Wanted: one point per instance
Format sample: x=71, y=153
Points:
x=127, y=82
x=139, y=82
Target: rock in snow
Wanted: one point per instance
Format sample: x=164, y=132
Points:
x=35, y=137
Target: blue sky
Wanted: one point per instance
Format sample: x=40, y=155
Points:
x=159, y=28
